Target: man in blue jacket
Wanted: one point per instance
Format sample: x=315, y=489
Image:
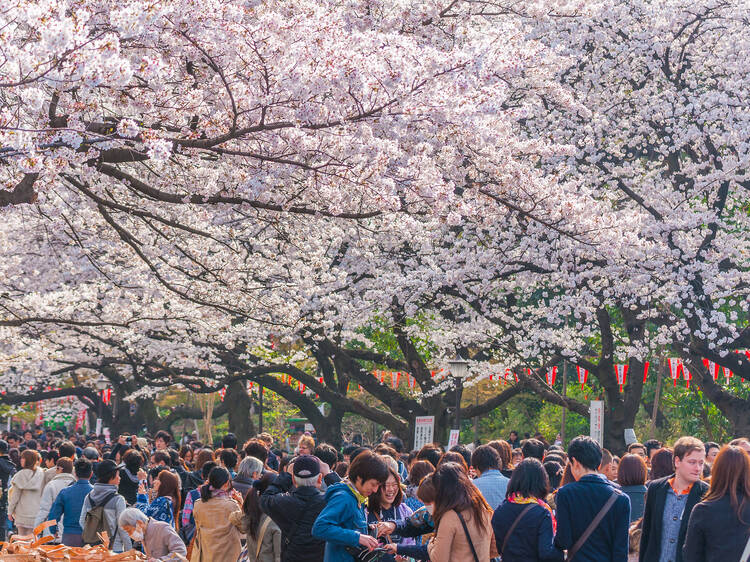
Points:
x=579, y=502
x=69, y=503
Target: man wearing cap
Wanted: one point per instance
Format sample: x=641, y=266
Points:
x=108, y=479
x=295, y=509
x=7, y=470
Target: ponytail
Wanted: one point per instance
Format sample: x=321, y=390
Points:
x=216, y=479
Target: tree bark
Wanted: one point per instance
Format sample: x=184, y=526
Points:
x=238, y=404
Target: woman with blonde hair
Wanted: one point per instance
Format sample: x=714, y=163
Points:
x=25, y=493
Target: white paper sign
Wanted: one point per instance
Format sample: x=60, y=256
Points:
x=630, y=436
x=596, y=429
x=423, y=429
x=98, y=426
x=453, y=438
x=106, y=436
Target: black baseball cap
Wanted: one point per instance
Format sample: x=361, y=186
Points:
x=106, y=470
x=306, y=466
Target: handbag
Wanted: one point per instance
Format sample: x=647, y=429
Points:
x=468, y=537
x=592, y=526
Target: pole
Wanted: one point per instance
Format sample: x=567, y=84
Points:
x=655, y=410
x=476, y=418
x=564, y=408
x=260, y=409
x=459, y=390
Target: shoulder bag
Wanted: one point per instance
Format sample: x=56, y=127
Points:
x=468, y=537
x=513, y=527
x=592, y=526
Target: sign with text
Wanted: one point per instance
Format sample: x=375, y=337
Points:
x=596, y=429
x=424, y=427
x=453, y=438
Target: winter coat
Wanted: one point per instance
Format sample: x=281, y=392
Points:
x=69, y=503
x=714, y=533
x=112, y=512
x=242, y=485
x=49, y=494
x=270, y=547
x=340, y=523
x=295, y=510
x=161, y=541
x=450, y=544
x=25, y=495
x=637, y=495
x=531, y=539
x=217, y=538
x=128, y=487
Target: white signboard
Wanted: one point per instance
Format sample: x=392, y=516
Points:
x=98, y=426
x=596, y=430
x=630, y=436
x=453, y=438
x=423, y=429
x=309, y=427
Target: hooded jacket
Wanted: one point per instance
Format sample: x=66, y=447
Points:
x=49, y=494
x=25, y=495
x=7, y=470
x=340, y=523
x=112, y=511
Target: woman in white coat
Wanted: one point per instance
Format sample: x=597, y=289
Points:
x=62, y=479
x=25, y=493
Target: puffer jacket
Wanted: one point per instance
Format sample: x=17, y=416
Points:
x=49, y=494
x=25, y=495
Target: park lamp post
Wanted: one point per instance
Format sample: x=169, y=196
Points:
x=459, y=368
x=101, y=384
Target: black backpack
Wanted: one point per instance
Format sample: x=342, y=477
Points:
x=96, y=522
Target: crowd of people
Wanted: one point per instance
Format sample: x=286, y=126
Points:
x=514, y=500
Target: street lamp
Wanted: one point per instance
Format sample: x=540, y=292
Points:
x=459, y=368
x=101, y=384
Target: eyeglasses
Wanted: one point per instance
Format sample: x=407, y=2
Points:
x=391, y=486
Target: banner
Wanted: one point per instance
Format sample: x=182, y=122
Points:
x=551, y=375
x=674, y=369
x=583, y=375
x=596, y=423
x=424, y=427
x=453, y=438
x=622, y=374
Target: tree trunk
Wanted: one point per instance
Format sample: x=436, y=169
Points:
x=238, y=409
x=330, y=431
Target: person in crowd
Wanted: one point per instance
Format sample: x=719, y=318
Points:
x=272, y=461
x=418, y=471
x=62, y=479
x=187, y=522
x=430, y=452
x=607, y=468
x=631, y=476
x=741, y=442
x=398, y=445
x=712, y=449
x=554, y=472
x=652, y=445
x=69, y=502
x=580, y=503
x=228, y=459
x=263, y=535
x=505, y=451
x=293, y=500
x=186, y=454
x=669, y=502
x=513, y=440
x=7, y=470
x=159, y=539
x=25, y=494
x=229, y=441
x=166, y=503
x=104, y=493
x=258, y=449
x=131, y=475
x=162, y=439
x=533, y=448
x=306, y=445
x=491, y=483
x=464, y=451
x=216, y=537
x=662, y=464
x=387, y=505
x=49, y=459
x=249, y=471
x=524, y=525
x=419, y=525
x=462, y=518
x=342, y=522
x=719, y=526
x=456, y=458
x=327, y=454
x=638, y=449
x=194, y=480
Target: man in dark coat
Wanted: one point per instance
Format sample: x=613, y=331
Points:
x=7, y=470
x=579, y=502
x=669, y=502
x=295, y=510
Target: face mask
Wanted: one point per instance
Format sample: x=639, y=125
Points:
x=137, y=536
x=429, y=508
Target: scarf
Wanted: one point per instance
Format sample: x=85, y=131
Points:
x=361, y=500
x=519, y=499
